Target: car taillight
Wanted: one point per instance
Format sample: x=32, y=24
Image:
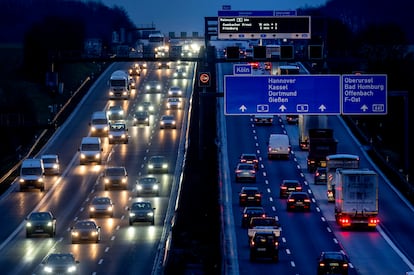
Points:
x=263, y=215
x=253, y=171
x=243, y=160
x=243, y=195
x=298, y=188
x=306, y=200
x=291, y=200
x=317, y=174
x=283, y=187
x=373, y=221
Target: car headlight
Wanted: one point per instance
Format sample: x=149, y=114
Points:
x=139, y=187
x=155, y=187
x=92, y=208
x=93, y=129
x=109, y=208
x=75, y=233
x=29, y=224
x=21, y=180
x=98, y=155
x=164, y=165
x=131, y=214
x=124, y=180
x=72, y=269
x=55, y=166
x=150, y=214
x=111, y=136
x=147, y=87
x=106, y=180
x=150, y=166
x=158, y=87
x=48, y=269
x=49, y=224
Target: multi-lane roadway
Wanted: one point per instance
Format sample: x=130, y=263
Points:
x=123, y=249
x=305, y=235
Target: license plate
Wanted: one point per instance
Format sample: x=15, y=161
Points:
x=334, y=264
x=250, y=198
x=299, y=202
x=261, y=249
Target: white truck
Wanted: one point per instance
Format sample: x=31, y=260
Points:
x=263, y=224
x=356, y=198
x=32, y=174
x=120, y=85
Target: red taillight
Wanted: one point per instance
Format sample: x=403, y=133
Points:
x=373, y=221
x=317, y=174
x=263, y=215
x=238, y=171
x=253, y=171
x=243, y=195
x=306, y=200
x=283, y=187
x=242, y=160
x=258, y=195
x=298, y=188
x=291, y=200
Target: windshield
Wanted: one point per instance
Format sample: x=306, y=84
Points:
x=31, y=171
x=115, y=172
x=90, y=147
x=118, y=83
x=59, y=259
x=100, y=121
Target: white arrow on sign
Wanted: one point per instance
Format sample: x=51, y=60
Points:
x=364, y=108
x=282, y=108
x=322, y=108
x=243, y=108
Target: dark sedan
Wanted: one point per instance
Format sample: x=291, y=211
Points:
x=289, y=186
x=41, y=223
x=298, y=200
x=250, y=212
x=332, y=262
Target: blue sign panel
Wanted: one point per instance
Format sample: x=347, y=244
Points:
x=364, y=94
x=242, y=69
x=286, y=13
x=245, y=13
x=282, y=94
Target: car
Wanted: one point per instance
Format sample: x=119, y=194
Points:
x=250, y=195
x=255, y=65
x=320, y=175
x=115, y=113
x=153, y=87
x=60, y=263
x=51, y=164
x=268, y=66
x=115, y=176
x=141, y=118
x=174, y=103
x=332, y=262
x=118, y=133
x=288, y=186
x=263, y=119
x=250, y=212
x=101, y=206
x=180, y=73
x=251, y=159
x=146, y=106
x=292, y=119
x=148, y=185
x=141, y=211
x=298, y=200
x=134, y=70
x=168, y=121
x=85, y=231
x=264, y=244
x=175, y=91
x=40, y=223
x=245, y=172
x=157, y=164
x=163, y=64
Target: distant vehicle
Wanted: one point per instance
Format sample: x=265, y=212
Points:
x=115, y=177
x=32, y=173
x=101, y=206
x=263, y=224
x=40, y=223
x=135, y=70
x=141, y=118
x=264, y=245
x=153, y=87
x=174, y=103
x=164, y=64
x=115, y=113
x=288, y=69
x=141, y=211
x=90, y=150
x=289, y=186
x=250, y=195
x=292, y=119
x=51, y=164
x=85, y=231
x=320, y=175
x=175, y=91
x=168, y=121
x=263, y=119
x=118, y=133
x=146, y=106
x=60, y=263
x=119, y=85
x=321, y=144
x=157, y=164
x=333, y=162
x=99, y=124
x=255, y=65
x=298, y=200
x=180, y=73
x=245, y=172
x=278, y=146
x=332, y=262
x=250, y=212
x=356, y=198
x=250, y=158
x=268, y=66
x=148, y=185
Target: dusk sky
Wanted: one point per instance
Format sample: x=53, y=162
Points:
x=188, y=15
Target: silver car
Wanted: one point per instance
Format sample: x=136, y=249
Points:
x=85, y=231
x=174, y=103
x=60, y=263
x=168, y=121
x=148, y=185
x=175, y=91
x=101, y=206
x=245, y=172
x=157, y=164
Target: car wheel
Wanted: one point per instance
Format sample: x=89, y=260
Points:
x=252, y=257
x=42, y=189
x=91, y=216
x=130, y=222
x=152, y=222
x=28, y=235
x=276, y=258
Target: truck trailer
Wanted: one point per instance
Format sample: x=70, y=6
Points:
x=306, y=122
x=356, y=198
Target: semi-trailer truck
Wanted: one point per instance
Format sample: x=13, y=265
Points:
x=119, y=85
x=321, y=144
x=356, y=198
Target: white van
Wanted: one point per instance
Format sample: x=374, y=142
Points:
x=278, y=146
x=32, y=174
x=99, y=124
x=90, y=150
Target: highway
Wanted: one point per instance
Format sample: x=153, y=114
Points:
x=123, y=249
x=386, y=250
